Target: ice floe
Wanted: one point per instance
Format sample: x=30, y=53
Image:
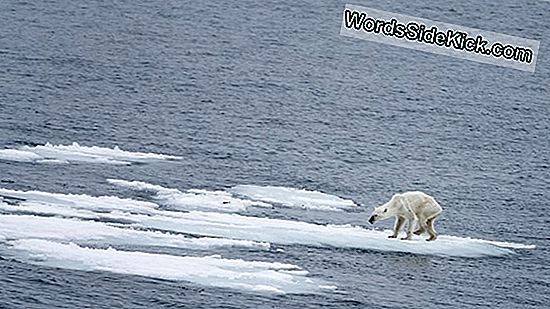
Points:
x=193, y=199
x=79, y=201
x=342, y=236
x=14, y=227
x=261, y=277
x=259, y=196
x=291, y=197
x=233, y=226
x=75, y=153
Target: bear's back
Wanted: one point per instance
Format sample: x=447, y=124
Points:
x=421, y=203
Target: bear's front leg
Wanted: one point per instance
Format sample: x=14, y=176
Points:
x=410, y=227
x=397, y=226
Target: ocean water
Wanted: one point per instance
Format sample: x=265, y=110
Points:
x=254, y=141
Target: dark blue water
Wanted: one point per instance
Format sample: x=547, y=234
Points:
x=268, y=93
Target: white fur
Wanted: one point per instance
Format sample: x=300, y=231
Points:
x=412, y=208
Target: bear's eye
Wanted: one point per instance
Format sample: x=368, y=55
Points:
x=385, y=210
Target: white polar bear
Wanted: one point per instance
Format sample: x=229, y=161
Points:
x=415, y=207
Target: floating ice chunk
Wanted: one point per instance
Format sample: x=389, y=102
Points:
x=263, y=277
x=193, y=199
x=79, y=154
x=59, y=229
x=81, y=201
x=62, y=210
x=342, y=236
x=18, y=155
x=276, y=231
x=291, y=197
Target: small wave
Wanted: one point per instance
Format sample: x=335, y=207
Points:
x=193, y=199
x=16, y=227
x=233, y=226
x=74, y=153
x=291, y=197
x=262, y=277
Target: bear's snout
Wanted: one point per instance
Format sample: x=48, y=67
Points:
x=372, y=219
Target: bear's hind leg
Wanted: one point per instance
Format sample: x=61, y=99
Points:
x=431, y=230
x=423, y=225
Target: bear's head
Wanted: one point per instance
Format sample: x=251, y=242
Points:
x=388, y=210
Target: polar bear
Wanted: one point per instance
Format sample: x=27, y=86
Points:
x=413, y=207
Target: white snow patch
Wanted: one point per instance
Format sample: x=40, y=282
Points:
x=75, y=153
x=263, y=277
x=193, y=199
x=291, y=197
x=59, y=229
